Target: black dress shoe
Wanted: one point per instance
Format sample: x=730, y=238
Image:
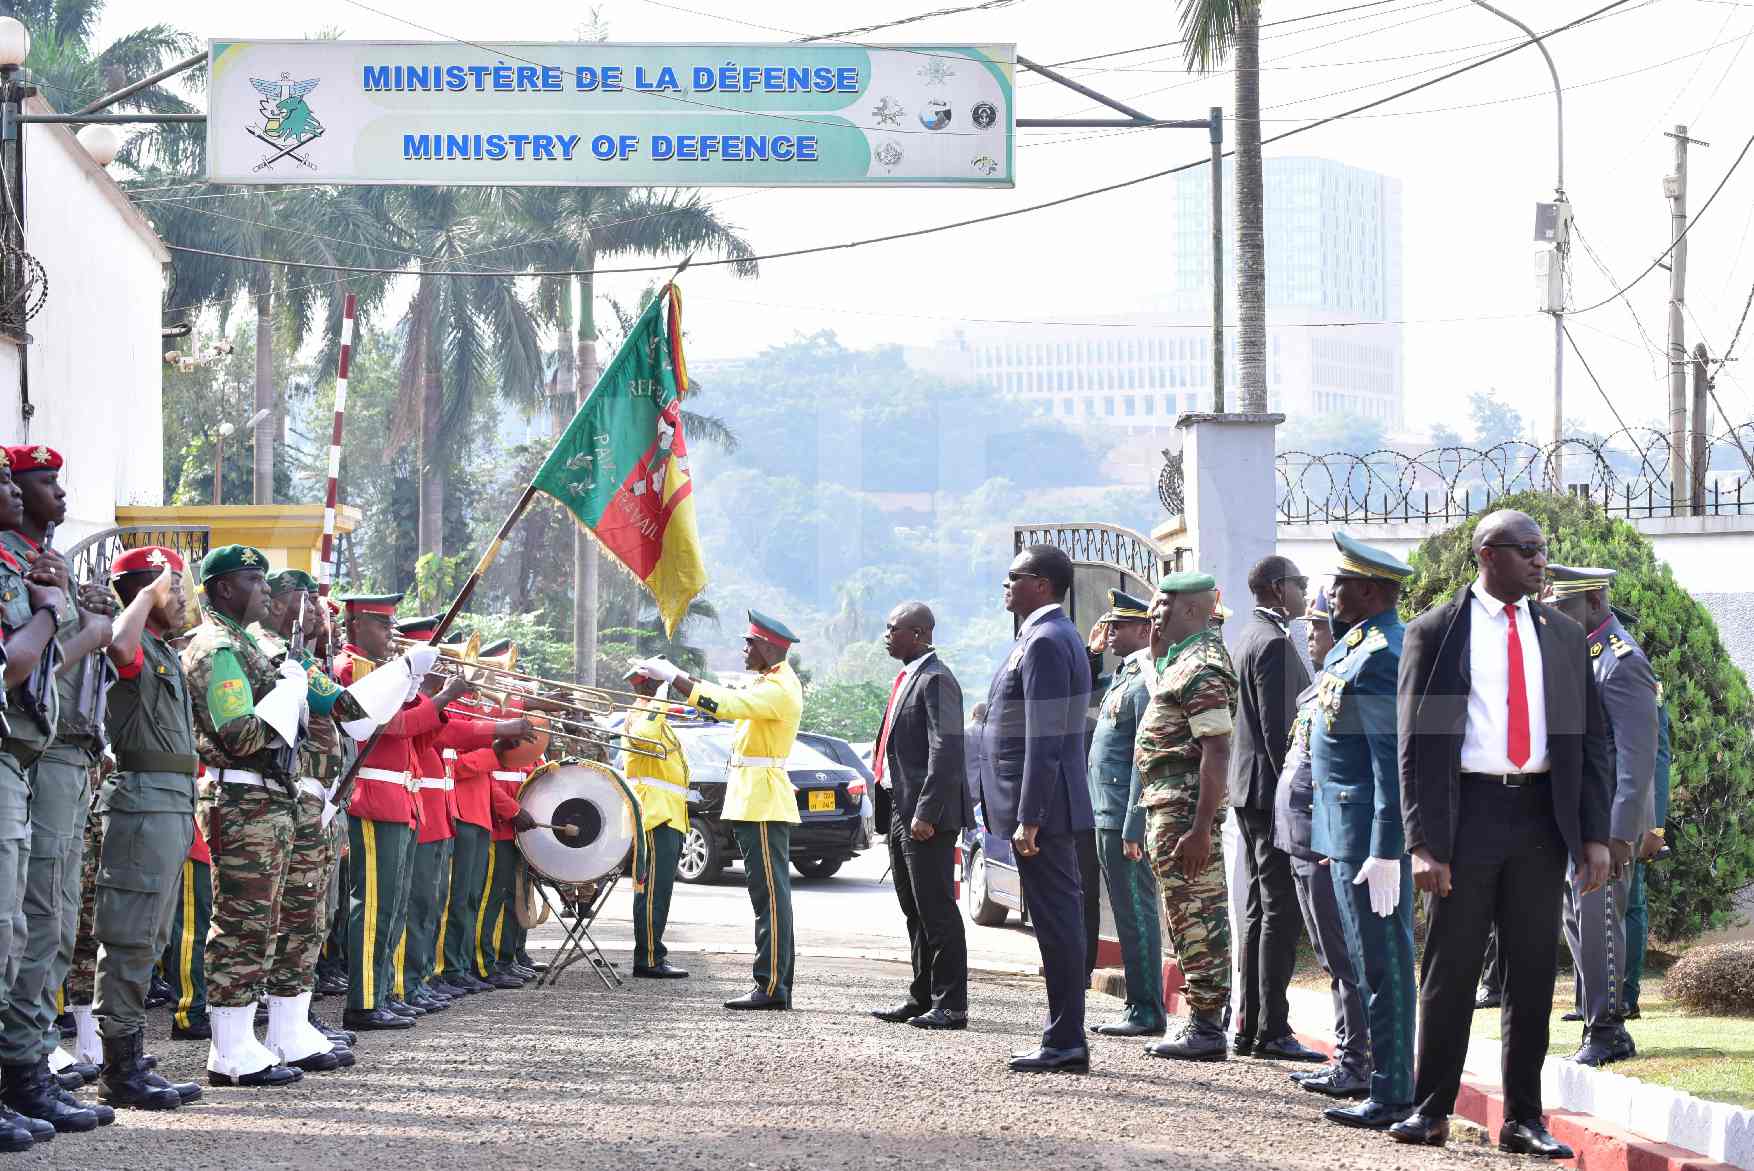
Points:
x=331, y=984
x=450, y=987
x=272, y=1077
x=1338, y=1083
x=940, y=1018
x=1288, y=1048
x=1421, y=1130
x=1630, y=1014
x=1126, y=1027
x=339, y=1036
x=1242, y=1046
x=403, y=1008
x=158, y=993
x=68, y=1079
x=105, y=1115
x=1045, y=1060
x=901, y=1014
x=1531, y=1138
x=427, y=1002
x=323, y=1062
x=756, y=999
x=504, y=979
x=1486, y=999
x=38, y=1130
x=1370, y=1115
x=1572, y=1016
x=197, y=1031
x=365, y=1019
x=187, y=1091
x=1604, y=1045
x=470, y=982
x=662, y=970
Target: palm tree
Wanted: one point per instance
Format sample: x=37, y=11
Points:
x=585, y=226
x=1213, y=30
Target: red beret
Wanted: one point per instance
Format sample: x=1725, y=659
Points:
x=33, y=458
x=146, y=559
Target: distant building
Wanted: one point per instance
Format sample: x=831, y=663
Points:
x=1333, y=258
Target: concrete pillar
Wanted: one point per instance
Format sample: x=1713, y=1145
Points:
x=1230, y=494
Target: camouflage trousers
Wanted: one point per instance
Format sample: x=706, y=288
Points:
x=304, y=902
x=82, y=976
x=249, y=829
x=1195, y=912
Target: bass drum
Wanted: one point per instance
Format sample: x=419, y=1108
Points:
x=594, y=800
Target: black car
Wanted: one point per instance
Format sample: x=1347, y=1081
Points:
x=843, y=753
x=831, y=826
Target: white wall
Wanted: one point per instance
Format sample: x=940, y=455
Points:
x=95, y=358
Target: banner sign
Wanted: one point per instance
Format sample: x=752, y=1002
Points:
x=610, y=115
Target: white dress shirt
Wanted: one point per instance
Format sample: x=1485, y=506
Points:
x=908, y=671
x=1036, y=616
x=1485, y=740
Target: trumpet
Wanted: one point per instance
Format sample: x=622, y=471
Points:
x=599, y=700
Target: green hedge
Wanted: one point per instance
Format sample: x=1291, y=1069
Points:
x=1712, y=778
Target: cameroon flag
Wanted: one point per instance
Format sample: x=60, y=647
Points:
x=621, y=468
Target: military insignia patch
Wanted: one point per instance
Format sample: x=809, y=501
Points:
x=1595, y=649
x=248, y=557
x=1354, y=636
x=1622, y=648
x=320, y=682
x=41, y=455
x=231, y=698
x=708, y=704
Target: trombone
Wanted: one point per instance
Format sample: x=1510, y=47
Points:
x=600, y=700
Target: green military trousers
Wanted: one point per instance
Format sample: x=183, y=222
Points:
x=304, y=903
x=136, y=891
x=184, y=961
x=426, y=911
x=60, y=802
x=510, y=938
x=378, y=865
x=651, y=895
x=767, y=848
x=503, y=860
x=461, y=932
x=14, y=866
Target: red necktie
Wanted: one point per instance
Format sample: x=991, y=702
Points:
x=883, y=740
x=1517, y=743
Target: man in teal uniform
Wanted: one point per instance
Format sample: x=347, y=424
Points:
x=1132, y=893
x=1356, y=819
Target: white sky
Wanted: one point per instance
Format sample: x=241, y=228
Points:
x=1474, y=155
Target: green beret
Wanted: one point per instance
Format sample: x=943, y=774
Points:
x=230, y=559
x=1187, y=583
x=289, y=581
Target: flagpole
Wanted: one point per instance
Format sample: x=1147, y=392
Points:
x=326, y=564
x=344, y=788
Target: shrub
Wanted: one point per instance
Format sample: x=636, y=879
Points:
x=1716, y=978
x=1711, y=779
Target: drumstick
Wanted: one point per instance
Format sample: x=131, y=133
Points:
x=571, y=831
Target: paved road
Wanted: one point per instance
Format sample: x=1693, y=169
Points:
x=659, y=1075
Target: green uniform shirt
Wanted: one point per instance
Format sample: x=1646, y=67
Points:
x=227, y=672
x=26, y=738
x=1194, y=697
x=81, y=689
x=151, y=721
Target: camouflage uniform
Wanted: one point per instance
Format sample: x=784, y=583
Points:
x=1195, y=696
x=248, y=826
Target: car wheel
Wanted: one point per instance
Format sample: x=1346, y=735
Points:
x=816, y=867
x=700, y=859
x=981, y=907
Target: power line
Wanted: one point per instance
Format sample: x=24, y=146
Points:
x=847, y=245
x=983, y=6
x=1688, y=227
x=1264, y=24
x=1605, y=398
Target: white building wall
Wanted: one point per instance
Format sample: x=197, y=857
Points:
x=93, y=366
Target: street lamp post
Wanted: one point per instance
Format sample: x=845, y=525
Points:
x=221, y=433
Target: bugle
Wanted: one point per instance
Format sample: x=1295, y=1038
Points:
x=569, y=723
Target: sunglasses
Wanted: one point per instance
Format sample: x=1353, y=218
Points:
x=1013, y=576
x=1525, y=549
x=1302, y=582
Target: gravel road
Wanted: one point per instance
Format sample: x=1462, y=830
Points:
x=658, y=1075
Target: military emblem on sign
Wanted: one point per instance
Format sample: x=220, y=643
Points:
x=986, y=165
x=936, y=115
x=287, y=121
x=888, y=112
x=889, y=155
x=935, y=72
x=984, y=114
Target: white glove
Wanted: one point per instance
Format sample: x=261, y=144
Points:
x=1383, y=875
x=293, y=672
x=382, y=694
x=659, y=668
x=421, y=659
x=284, y=708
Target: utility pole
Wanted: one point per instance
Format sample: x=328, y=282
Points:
x=1675, y=188
x=1216, y=128
x=1701, y=385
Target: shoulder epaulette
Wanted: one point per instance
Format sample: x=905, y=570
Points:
x=1622, y=648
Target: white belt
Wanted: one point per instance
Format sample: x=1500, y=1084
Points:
x=758, y=762
x=449, y=754
x=241, y=776
x=406, y=780
x=443, y=783
x=507, y=775
x=312, y=787
x=667, y=786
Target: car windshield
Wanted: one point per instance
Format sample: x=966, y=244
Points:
x=805, y=757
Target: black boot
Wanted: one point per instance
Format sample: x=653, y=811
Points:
x=125, y=1082
x=187, y=1091
x=30, y=1091
x=15, y=1135
x=1201, y=1039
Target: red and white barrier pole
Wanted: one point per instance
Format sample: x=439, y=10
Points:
x=326, y=569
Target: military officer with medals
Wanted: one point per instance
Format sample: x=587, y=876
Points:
x=661, y=786
x=248, y=717
x=1182, y=758
x=64, y=698
x=1125, y=629
x=148, y=811
x=760, y=803
x=1595, y=923
x=1356, y=818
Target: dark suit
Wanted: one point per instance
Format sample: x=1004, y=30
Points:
x=924, y=764
x=1269, y=676
x=1506, y=846
x=1035, y=774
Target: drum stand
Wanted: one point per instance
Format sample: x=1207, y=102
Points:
x=575, y=916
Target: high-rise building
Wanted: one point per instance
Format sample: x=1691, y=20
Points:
x=1333, y=296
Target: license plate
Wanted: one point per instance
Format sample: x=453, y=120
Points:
x=821, y=800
